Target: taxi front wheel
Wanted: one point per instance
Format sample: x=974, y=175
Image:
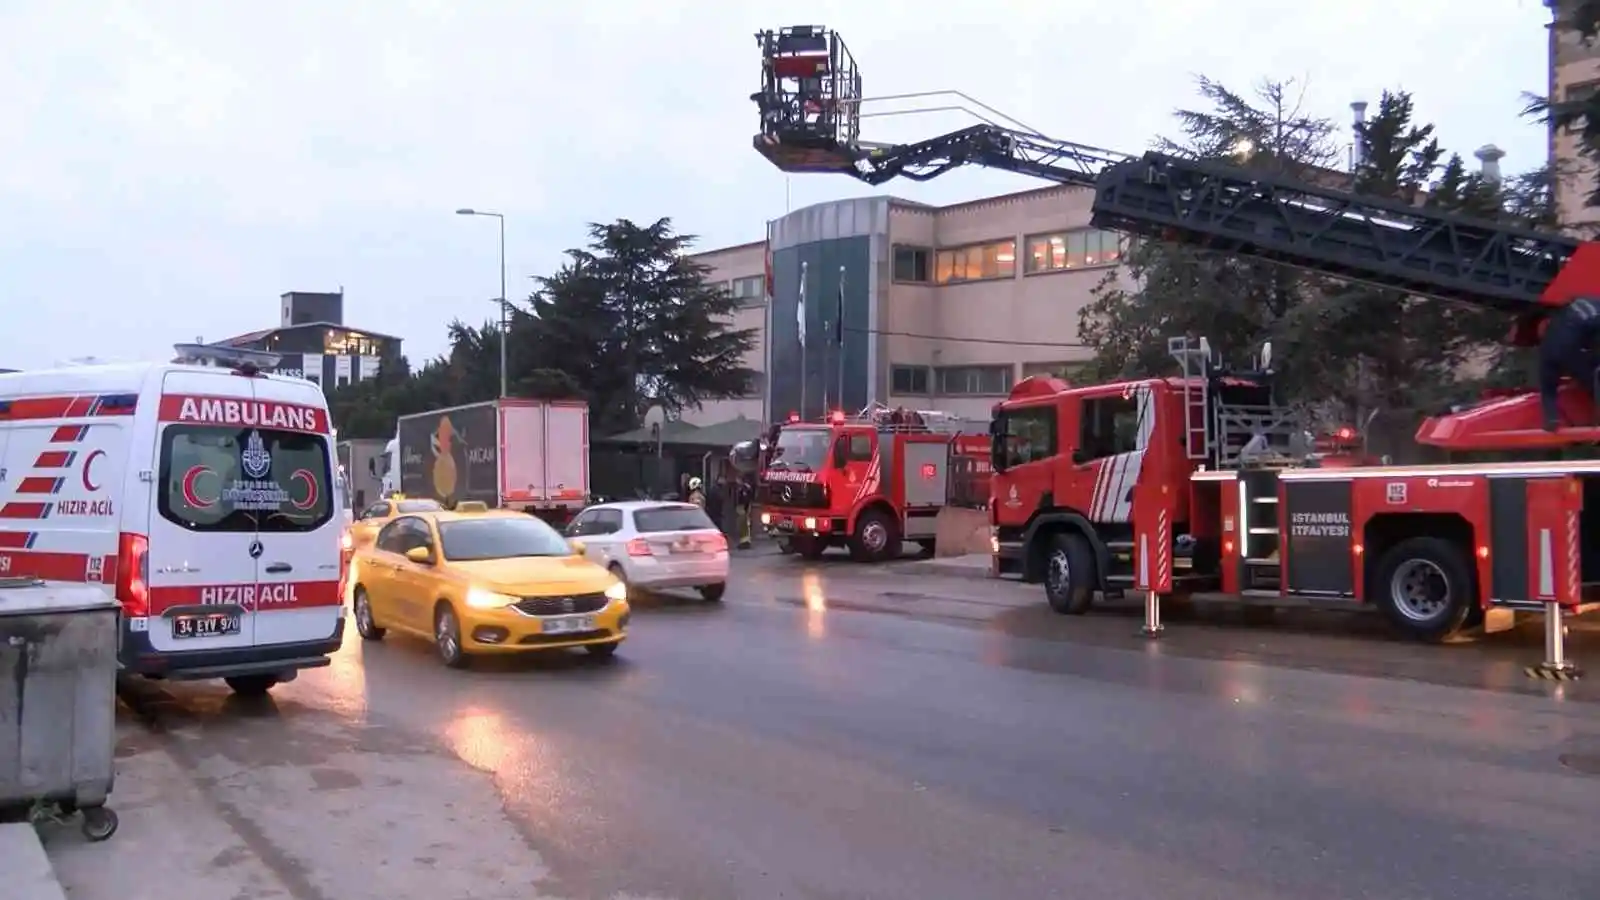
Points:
x=447, y=637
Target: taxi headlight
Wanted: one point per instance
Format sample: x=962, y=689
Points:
x=478, y=598
x=617, y=591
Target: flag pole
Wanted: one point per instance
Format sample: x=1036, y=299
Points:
x=838, y=334
x=800, y=323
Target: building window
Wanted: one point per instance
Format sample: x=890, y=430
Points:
x=1571, y=46
x=749, y=291
x=756, y=387
x=976, y=263
x=346, y=343
x=959, y=380
x=912, y=264
x=1066, y=371
x=1574, y=93
x=1080, y=249
x=908, y=380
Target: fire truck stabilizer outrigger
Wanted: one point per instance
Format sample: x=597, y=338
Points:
x=870, y=482
x=1192, y=484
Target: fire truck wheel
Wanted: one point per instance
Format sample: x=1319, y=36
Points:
x=1069, y=573
x=1424, y=586
x=877, y=537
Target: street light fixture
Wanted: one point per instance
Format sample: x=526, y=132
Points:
x=505, y=306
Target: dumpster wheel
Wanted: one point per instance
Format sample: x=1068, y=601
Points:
x=99, y=823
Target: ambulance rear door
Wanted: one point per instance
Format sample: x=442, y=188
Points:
x=299, y=527
x=202, y=532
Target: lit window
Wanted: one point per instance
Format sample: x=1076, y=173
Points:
x=977, y=262
x=1080, y=249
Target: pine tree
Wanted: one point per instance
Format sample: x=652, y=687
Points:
x=632, y=319
x=1172, y=290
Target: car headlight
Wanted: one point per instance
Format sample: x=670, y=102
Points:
x=478, y=598
x=617, y=591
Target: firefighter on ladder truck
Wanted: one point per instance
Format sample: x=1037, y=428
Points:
x=870, y=482
x=1098, y=499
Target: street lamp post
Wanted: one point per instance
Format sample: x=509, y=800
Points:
x=505, y=306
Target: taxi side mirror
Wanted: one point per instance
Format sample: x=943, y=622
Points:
x=422, y=555
x=579, y=548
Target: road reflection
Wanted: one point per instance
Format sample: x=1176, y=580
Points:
x=816, y=600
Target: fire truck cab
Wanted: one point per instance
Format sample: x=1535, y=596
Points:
x=870, y=482
x=1070, y=461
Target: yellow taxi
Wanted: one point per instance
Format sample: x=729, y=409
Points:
x=482, y=583
x=373, y=518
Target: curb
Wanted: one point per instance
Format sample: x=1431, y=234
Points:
x=27, y=869
x=936, y=567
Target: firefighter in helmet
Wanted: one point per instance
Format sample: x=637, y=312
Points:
x=697, y=493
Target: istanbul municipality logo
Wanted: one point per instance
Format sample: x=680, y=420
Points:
x=257, y=461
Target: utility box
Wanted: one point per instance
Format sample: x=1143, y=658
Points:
x=58, y=697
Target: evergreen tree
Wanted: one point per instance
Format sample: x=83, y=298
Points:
x=1172, y=290
x=633, y=320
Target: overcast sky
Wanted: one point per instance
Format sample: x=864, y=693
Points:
x=169, y=167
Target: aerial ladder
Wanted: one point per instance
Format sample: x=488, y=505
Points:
x=810, y=102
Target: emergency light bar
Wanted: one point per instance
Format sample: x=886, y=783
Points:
x=238, y=358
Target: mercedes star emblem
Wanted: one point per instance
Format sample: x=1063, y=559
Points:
x=256, y=549
x=788, y=494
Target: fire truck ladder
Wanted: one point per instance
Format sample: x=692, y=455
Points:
x=810, y=105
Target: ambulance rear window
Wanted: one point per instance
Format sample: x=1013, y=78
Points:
x=254, y=479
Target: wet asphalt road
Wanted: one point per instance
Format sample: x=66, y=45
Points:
x=797, y=742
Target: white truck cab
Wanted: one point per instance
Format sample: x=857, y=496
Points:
x=204, y=497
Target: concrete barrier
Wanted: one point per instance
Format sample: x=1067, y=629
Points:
x=961, y=532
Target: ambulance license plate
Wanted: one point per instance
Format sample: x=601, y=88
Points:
x=220, y=625
x=568, y=625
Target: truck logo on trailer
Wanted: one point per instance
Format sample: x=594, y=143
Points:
x=442, y=443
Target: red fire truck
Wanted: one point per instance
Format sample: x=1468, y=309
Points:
x=870, y=482
x=1193, y=484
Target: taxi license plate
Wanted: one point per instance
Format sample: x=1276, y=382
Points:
x=568, y=625
x=218, y=625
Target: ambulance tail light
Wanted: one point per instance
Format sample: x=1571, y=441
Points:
x=133, y=574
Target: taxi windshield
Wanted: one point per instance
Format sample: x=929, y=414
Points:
x=508, y=537
x=803, y=449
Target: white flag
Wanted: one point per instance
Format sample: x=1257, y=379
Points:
x=800, y=307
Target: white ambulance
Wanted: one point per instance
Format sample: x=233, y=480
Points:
x=202, y=496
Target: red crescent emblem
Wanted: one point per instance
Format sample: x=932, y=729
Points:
x=310, y=480
x=191, y=481
x=88, y=463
